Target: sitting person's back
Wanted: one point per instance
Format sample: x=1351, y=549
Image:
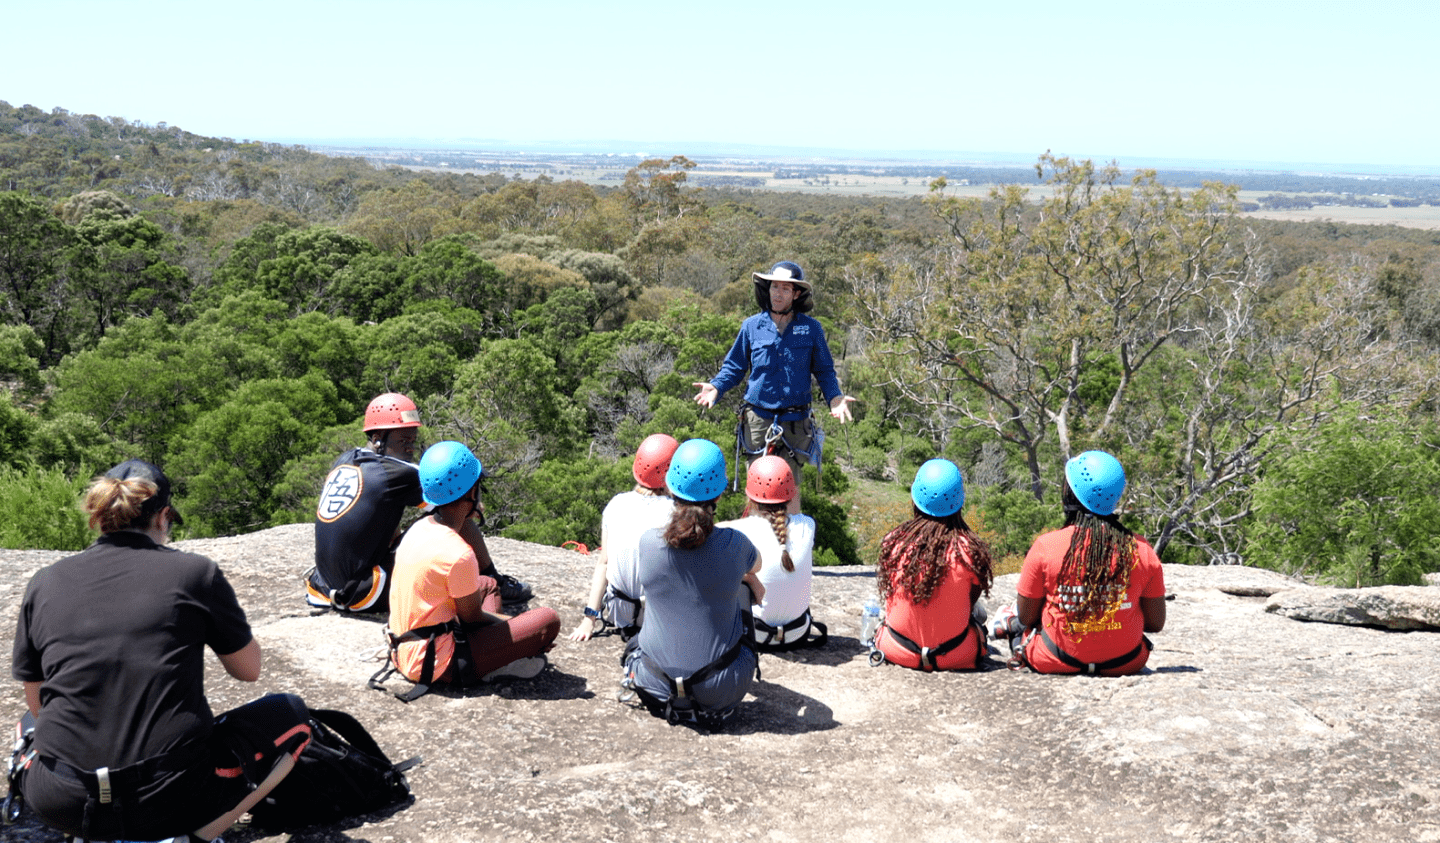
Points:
x=445, y=615
x=361, y=504
x=786, y=544
x=691, y=660
x=615, y=593
x=110, y=646
x=694, y=604
x=932, y=571
x=1092, y=588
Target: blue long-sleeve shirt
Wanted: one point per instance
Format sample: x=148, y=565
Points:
x=780, y=365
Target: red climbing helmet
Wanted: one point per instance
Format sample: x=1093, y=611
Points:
x=652, y=460
x=390, y=412
x=770, y=480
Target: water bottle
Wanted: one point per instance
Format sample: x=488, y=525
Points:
x=869, y=622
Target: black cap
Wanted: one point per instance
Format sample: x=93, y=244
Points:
x=141, y=470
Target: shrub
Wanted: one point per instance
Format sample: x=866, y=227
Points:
x=1012, y=519
x=42, y=510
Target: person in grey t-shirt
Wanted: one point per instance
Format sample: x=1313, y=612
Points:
x=692, y=660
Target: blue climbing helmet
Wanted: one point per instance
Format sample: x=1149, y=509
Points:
x=938, y=490
x=697, y=471
x=447, y=471
x=1097, y=480
x=784, y=271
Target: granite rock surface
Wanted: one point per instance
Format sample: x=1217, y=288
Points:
x=1249, y=725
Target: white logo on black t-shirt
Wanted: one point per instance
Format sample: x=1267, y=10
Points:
x=341, y=491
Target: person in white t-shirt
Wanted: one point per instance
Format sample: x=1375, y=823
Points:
x=614, y=595
x=786, y=543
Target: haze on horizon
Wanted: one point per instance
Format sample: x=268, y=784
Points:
x=1318, y=84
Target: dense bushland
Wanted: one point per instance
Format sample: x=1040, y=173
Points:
x=227, y=309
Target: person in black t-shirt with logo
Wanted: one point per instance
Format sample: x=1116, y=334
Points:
x=362, y=503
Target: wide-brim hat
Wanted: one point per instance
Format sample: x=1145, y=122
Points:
x=784, y=271
x=142, y=470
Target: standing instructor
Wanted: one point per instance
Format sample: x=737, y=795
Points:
x=782, y=348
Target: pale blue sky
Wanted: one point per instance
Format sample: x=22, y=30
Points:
x=1297, y=82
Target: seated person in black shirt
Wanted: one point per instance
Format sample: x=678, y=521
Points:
x=357, y=521
x=110, y=647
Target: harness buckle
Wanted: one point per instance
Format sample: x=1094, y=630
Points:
x=102, y=778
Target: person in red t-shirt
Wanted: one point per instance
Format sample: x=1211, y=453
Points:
x=933, y=569
x=1092, y=588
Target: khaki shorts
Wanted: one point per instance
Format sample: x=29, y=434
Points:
x=794, y=444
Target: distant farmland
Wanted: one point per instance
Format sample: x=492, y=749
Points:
x=843, y=178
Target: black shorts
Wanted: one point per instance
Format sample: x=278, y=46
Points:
x=243, y=747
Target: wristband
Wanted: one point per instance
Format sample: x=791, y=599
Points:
x=592, y=613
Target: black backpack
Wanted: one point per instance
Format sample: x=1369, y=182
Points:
x=341, y=773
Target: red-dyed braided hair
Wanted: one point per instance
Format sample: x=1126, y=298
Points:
x=915, y=556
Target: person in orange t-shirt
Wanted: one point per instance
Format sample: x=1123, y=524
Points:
x=1091, y=589
x=437, y=586
x=933, y=569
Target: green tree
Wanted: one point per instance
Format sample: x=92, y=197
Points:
x=229, y=463
x=16, y=429
x=566, y=499
x=655, y=188
x=73, y=443
x=611, y=283
x=529, y=281
x=305, y=264
x=103, y=203
x=515, y=381
x=449, y=269
x=1119, y=317
x=141, y=384
x=418, y=353
x=33, y=246
x=122, y=267
x=1355, y=506
x=402, y=220
x=372, y=288
x=20, y=353
x=236, y=274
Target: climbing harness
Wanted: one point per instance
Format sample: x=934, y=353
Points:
x=428, y=634
x=1093, y=668
x=778, y=638
x=774, y=439
x=622, y=607
x=928, y=655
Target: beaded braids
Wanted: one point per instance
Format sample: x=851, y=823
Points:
x=1098, y=561
x=915, y=556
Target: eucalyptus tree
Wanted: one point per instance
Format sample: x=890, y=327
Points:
x=1114, y=315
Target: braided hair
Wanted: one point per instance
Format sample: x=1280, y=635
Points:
x=916, y=556
x=1098, y=562
x=779, y=520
